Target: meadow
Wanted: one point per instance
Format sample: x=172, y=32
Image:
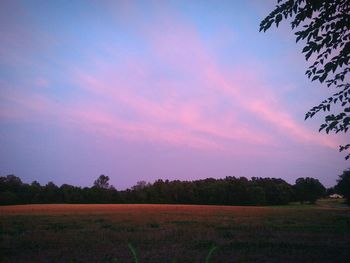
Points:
x=175, y=233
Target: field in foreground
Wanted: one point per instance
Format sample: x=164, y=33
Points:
x=174, y=233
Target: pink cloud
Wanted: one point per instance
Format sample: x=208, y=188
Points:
x=114, y=127
x=23, y=105
x=245, y=88
x=169, y=106
x=41, y=82
x=286, y=124
x=265, y=106
x=171, y=112
x=182, y=105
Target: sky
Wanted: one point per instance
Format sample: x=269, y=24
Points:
x=146, y=90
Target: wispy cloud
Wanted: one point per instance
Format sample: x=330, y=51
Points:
x=176, y=94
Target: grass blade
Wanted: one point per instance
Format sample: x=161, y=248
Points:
x=211, y=251
x=133, y=251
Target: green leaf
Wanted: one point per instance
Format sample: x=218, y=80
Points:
x=323, y=77
x=305, y=49
x=322, y=127
x=307, y=56
x=278, y=19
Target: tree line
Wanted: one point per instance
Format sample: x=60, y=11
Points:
x=210, y=191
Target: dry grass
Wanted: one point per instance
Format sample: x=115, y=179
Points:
x=173, y=233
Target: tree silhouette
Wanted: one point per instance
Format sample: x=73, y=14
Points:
x=325, y=25
x=102, y=182
x=308, y=189
x=343, y=185
x=225, y=191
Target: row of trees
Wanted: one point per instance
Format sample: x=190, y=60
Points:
x=227, y=191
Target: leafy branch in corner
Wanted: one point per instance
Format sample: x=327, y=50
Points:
x=324, y=25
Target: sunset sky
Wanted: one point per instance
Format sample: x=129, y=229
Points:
x=141, y=90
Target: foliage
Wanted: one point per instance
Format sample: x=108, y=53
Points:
x=8, y=198
x=325, y=26
x=308, y=189
x=343, y=185
x=227, y=191
x=102, y=182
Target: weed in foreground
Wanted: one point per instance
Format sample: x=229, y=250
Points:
x=133, y=251
x=211, y=251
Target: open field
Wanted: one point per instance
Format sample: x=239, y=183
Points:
x=174, y=233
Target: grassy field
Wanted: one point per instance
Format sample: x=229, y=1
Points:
x=175, y=233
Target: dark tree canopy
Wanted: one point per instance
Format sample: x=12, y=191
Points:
x=226, y=191
x=102, y=182
x=308, y=189
x=324, y=25
x=343, y=185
